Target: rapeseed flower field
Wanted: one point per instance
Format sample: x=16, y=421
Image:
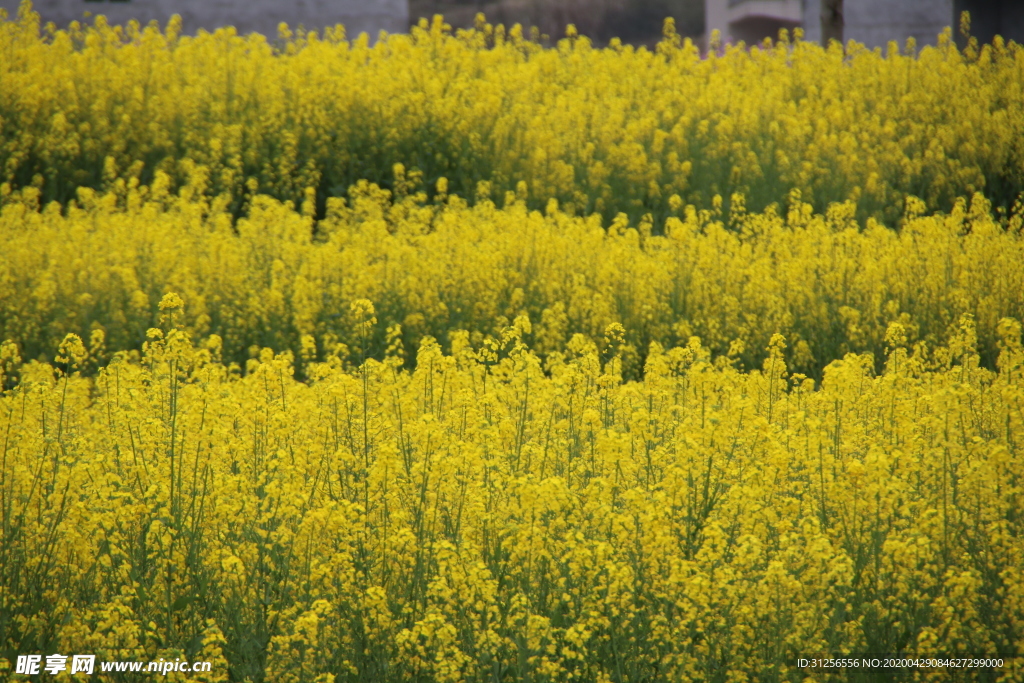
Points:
x=457, y=358
x=607, y=131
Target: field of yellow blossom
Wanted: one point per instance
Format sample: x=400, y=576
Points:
x=600, y=130
x=278, y=278
x=461, y=359
x=484, y=518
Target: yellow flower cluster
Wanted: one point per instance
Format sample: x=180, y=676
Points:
x=480, y=519
x=601, y=423
x=279, y=279
x=601, y=130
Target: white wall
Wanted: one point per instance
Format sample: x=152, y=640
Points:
x=716, y=18
x=876, y=22
x=872, y=22
x=721, y=14
x=812, y=20
x=262, y=16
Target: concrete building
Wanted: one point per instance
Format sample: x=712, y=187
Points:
x=876, y=22
x=871, y=22
x=261, y=16
x=751, y=20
